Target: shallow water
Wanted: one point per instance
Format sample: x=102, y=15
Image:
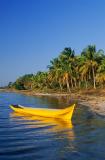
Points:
x=32, y=138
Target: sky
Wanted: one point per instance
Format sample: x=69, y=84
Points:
x=33, y=32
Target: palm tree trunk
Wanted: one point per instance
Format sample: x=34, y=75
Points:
x=94, y=81
x=79, y=84
x=60, y=86
x=75, y=82
x=89, y=75
x=79, y=81
x=71, y=82
x=68, y=86
x=86, y=83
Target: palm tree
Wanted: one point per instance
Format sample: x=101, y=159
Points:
x=61, y=68
x=68, y=71
x=39, y=80
x=67, y=57
x=91, y=63
x=100, y=76
x=55, y=72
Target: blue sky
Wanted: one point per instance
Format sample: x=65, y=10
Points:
x=32, y=32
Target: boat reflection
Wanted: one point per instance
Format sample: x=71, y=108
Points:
x=49, y=125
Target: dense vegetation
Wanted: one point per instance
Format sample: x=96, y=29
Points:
x=67, y=72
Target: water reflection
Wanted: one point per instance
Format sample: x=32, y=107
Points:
x=54, y=102
x=49, y=125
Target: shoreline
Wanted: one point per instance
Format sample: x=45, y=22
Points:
x=94, y=99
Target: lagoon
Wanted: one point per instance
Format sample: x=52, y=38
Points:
x=28, y=137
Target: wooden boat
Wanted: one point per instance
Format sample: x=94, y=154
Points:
x=65, y=114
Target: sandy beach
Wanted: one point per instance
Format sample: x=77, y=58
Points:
x=94, y=99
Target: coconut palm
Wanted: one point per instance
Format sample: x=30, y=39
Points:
x=55, y=73
x=91, y=63
x=67, y=57
x=100, y=77
x=68, y=71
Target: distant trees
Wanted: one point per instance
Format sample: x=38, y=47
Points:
x=68, y=71
x=10, y=84
x=39, y=80
x=22, y=83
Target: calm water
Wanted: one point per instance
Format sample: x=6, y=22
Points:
x=31, y=138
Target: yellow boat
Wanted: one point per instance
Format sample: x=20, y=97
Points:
x=65, y=114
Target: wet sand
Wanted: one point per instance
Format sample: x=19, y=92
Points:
x=94, y=99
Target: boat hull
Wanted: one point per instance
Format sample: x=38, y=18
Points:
x=65, y=114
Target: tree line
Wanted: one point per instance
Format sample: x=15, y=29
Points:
x=68, y=71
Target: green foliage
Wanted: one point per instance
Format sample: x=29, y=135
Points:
x=68, y=71
x=23, y=83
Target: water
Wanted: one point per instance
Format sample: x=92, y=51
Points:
x=31, y=138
